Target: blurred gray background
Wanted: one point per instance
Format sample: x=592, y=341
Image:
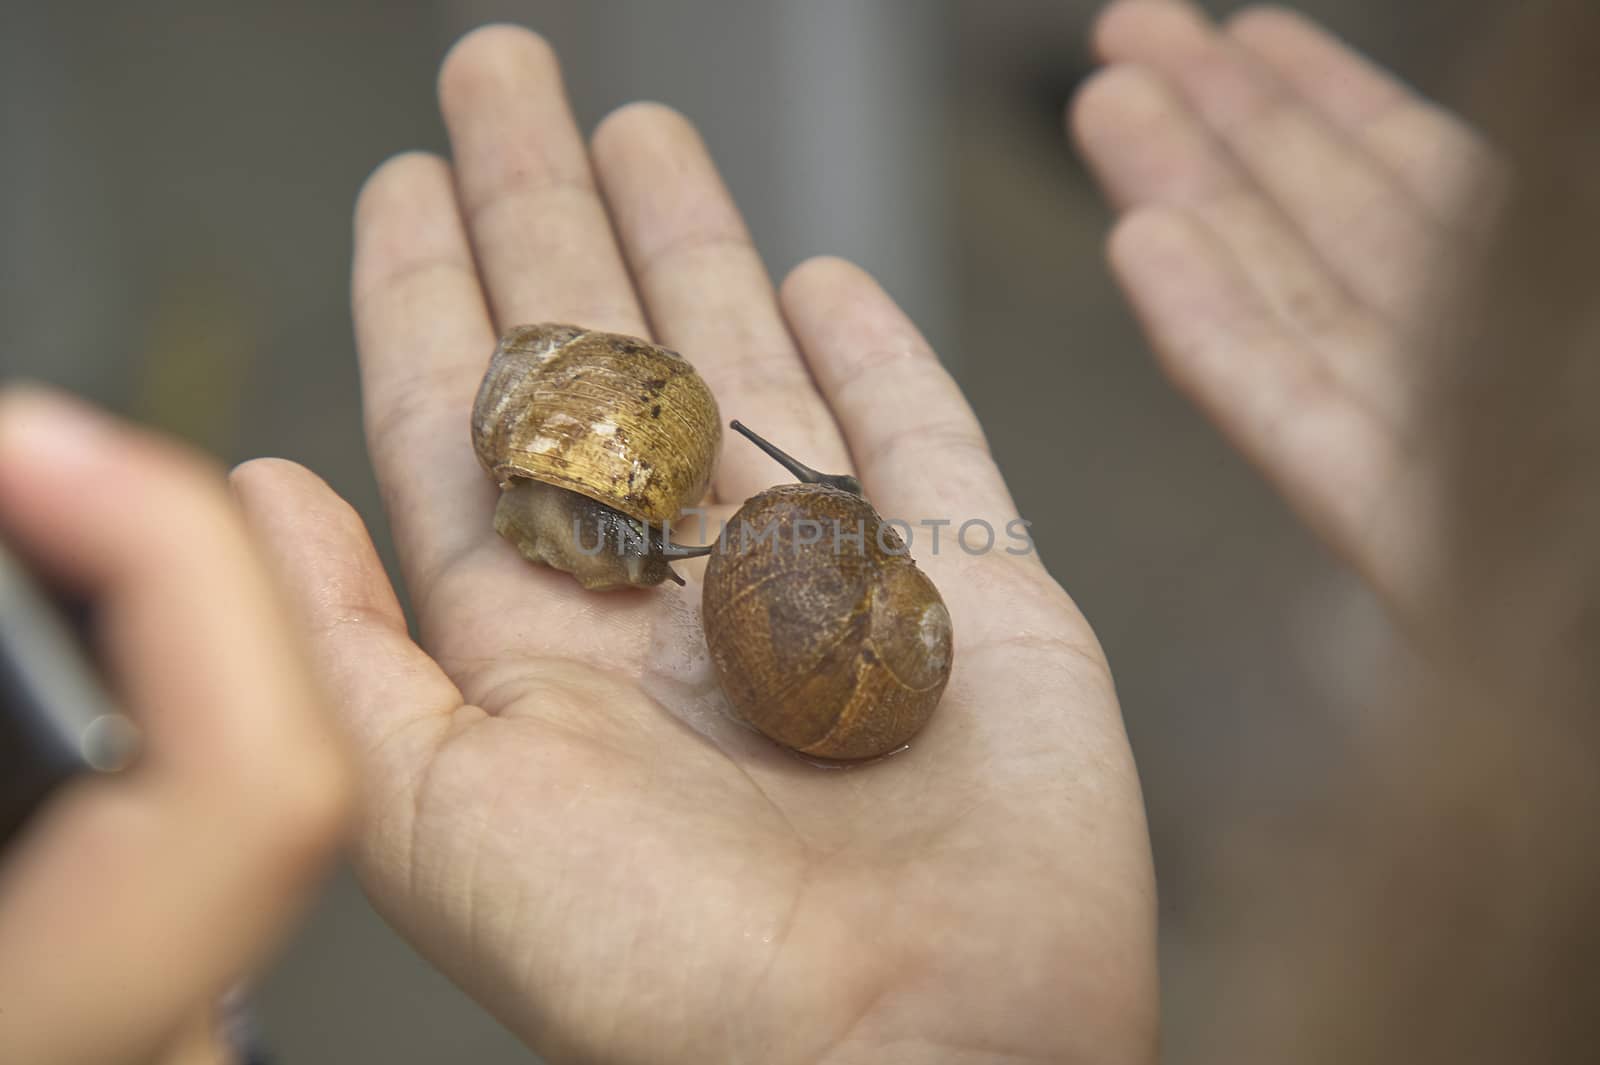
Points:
x=176, y=185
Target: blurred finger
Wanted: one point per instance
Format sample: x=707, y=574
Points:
x=1361, y=221
x=1441, y=160
x=708, y=293
x=149, y=530
x=424, y=338
x=1222, y=344
x=543, y=241
x=1146, y=146
x=200, y=854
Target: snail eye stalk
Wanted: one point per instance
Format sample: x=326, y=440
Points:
x=802, y=473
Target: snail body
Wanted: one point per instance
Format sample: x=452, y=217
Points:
x=597, y=440
x=824, y=634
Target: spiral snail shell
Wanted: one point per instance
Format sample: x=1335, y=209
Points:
x=824, y=634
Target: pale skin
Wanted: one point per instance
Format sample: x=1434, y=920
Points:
x=554, y=813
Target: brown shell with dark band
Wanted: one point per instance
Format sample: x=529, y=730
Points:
x=834, y=650
x=609, y=416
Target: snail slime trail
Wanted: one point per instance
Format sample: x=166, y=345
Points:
x=840, y=656
x=597, y=441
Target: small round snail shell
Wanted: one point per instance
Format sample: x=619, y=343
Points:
x=833, y=648
x=597, y=440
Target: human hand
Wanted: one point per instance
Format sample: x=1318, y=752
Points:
x=560, y=814
x=1287, y=209
x=133, y=903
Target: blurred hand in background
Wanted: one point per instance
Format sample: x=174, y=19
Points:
x=134, y=902
x=1399, y=329
x=1287, y=213
x=558, y=814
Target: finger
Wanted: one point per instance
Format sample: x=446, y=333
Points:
x=708, y=294
x=208, y=845
x=424, y=338
x=1440, y=159
x=1147, y=147
x=921, y=453
x=1359, y=219
x=390, y=695
x=543, y=240
x=1221, y=343
x=112, y=510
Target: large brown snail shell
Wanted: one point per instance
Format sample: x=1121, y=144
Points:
x=835, y=649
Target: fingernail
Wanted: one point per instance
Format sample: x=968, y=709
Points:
x=44, y=424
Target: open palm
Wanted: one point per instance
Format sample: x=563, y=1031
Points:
x=559, y=811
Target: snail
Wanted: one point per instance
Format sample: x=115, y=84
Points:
x=824, y=634
x=597, y=441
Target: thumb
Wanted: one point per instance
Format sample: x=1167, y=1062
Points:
x=393, y=699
